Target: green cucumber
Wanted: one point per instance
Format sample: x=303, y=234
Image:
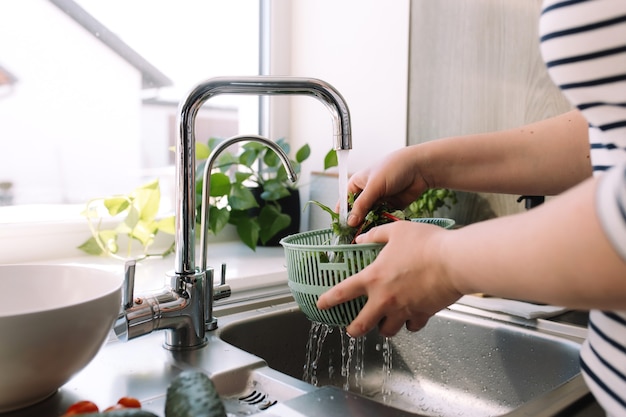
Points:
x=192, y=394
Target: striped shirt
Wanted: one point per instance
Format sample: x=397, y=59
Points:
x=583, y=43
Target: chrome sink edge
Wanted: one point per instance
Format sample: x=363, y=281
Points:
x=554, y=402
x=251, y=300
x=564, y=330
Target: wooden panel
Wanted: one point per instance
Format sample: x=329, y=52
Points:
x=475, y=67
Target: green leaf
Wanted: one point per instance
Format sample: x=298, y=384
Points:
x=240, y=177
x=248, y=231
x=241, y=198
x=281, y=174
x=91, y=247
x=271, y=159
x=220, y=185
x=274, y=190
x=225, y=161
x=334, y=215
x=218, y=218
x=116, y=205
x=103, y=241
x=167, y=225
x=109, y=240
x=147, y=200
x=272, y=221
x=202, y=151
x=303, y=153
x=144, y=232
x=248, y=157
x=131, y=220
x=139, y=224
x=330, y=160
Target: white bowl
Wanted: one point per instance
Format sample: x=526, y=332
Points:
x=53, y=321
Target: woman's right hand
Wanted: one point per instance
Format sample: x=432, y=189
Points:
x=397, y=181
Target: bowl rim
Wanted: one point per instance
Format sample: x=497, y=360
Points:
x=114, y=288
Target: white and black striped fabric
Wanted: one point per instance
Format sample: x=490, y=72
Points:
x=583, y=43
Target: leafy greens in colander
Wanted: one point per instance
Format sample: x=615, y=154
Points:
x=345, y=234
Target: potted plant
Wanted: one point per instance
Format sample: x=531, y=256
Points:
x=132, y=217
x=250, y=190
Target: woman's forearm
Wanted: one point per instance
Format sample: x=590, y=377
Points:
x=542, y=158
x=556, y=253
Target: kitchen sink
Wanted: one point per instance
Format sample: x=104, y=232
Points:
x=459, y=364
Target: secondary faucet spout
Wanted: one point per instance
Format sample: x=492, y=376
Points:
x=211, y=322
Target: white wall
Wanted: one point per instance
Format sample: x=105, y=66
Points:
x=361, y=48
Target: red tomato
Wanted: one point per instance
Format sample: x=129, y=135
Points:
x=113, y=408
x=125, y=402
x=81, y=407
x=129, y=402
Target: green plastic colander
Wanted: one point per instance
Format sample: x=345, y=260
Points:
x=314, y=265
x=437, y=221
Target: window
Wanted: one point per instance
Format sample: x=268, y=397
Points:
x=89, y=90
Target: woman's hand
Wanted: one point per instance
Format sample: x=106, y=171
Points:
x=405, y=285
x=397, y=181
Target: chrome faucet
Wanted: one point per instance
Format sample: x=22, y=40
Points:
x=186, y=308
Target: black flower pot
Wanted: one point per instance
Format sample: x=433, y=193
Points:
x=289, y=205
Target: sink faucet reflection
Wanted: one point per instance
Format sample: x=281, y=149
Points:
x=185, y=309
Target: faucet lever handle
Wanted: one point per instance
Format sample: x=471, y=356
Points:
x=223, y=274
x=129, y=284
x=222, y=290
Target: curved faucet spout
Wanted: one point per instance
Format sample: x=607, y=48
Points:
x=210, y=321
x=206, y=182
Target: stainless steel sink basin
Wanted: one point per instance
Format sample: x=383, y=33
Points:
x=459, y=364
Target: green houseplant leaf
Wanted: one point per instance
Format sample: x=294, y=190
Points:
x=138, y=211
x=247, y=228
x=271, y=221
x=253, y=167
x=303, y=153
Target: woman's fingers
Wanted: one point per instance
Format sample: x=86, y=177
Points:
x=390, y=325
x=417, y=323
x=344, y=291
x=366, y=320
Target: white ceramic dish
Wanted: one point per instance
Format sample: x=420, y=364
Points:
x=53, y=321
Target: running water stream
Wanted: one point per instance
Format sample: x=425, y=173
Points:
x=342, y=166
x=352, y=349
x=354, y=376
